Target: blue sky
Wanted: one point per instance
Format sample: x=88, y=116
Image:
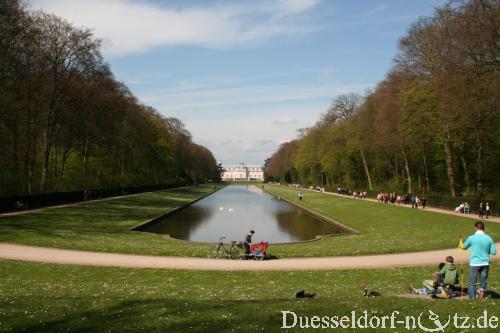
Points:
x=245, y=75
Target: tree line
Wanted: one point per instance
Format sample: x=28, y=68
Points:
x=67, y=124
x=432, y=124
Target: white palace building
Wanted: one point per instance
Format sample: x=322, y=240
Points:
x=242, y=172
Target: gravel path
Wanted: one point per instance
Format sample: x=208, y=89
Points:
x=86, y=258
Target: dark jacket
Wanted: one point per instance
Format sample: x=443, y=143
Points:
x=248, y=238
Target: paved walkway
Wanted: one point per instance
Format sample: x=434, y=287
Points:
x=86, y=258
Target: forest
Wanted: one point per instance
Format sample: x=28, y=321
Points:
x=67, y=124
x=432, y=125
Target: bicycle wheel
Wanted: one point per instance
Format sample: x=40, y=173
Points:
x=259, y=257
x=234, y=252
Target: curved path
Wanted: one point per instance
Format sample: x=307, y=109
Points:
x=86, y=258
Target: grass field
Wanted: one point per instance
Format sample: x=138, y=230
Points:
x=384, y=228
x=55, y=298
x=104, y=226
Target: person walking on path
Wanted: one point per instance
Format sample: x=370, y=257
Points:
x=482, y=246
x=481, y=209
x=487, y=210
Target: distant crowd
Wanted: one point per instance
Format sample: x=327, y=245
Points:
x=484, y=209
x=399, y=199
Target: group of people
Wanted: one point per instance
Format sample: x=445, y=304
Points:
x=446, y=281
x=317, y=188
x=345, y=191
x=463, y=208
x=484, y=210
x=360, y=195
x=399, y=199
x=354, y=194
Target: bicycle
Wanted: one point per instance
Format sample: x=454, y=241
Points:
x=222, y=252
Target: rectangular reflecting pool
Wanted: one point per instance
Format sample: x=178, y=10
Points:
x=236, y=209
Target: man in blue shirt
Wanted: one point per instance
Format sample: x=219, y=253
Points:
x=482, y=247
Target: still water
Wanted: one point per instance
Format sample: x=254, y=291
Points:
x=234, y=210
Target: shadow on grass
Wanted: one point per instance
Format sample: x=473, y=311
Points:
x=157, y=315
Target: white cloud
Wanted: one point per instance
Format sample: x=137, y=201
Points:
x=285, y=121
x=234, y=120
x=377, y=9
x=128, y=26
x=296, y=5
x=181, y=99
x=243, y=151
x=328, y=70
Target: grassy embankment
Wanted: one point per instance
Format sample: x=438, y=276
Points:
x=384, y=228
x=104, y=225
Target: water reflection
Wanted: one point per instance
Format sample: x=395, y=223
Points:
x=234, y=210
x=292, y=223
x=183, y=223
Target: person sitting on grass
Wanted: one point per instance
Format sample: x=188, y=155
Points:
x=445, y=280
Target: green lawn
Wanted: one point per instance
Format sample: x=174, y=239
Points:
x=384, y=228
x=104, y=226
x=54, y=298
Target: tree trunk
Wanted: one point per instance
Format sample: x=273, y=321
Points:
x=29, y=184
x=396, y=166
x=449, y=163
x=466, y=170
x=479, y=167
x=367, y=171
x=419, y=181
x=426, y=173
x=60, y=177
x=86, y=149
x=30, y=164
x=45, y=159
x=47, y=143
x=407, y=169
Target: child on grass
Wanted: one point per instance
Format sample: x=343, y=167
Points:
x=446, y=279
